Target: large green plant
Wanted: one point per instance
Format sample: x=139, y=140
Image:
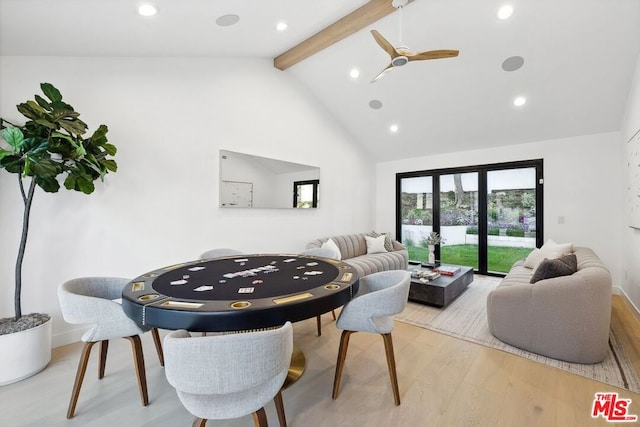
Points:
x=49, y=145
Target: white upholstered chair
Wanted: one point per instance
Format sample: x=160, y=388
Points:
x=219, y=252
x=230, y=375
x=324, y=253
x=94, y=301
x=379, y=297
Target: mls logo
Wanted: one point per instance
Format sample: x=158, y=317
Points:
x=611, y=408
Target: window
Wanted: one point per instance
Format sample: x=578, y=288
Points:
x=305, y=193
x=489, y=216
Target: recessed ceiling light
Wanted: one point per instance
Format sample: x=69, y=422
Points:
x=513, y=63
x=393, y=128
x=505, y=11
x=519, y=101
x=354, y=73
x=147, y=9
x=281, y=26
x=227, y=20
x=375, y=104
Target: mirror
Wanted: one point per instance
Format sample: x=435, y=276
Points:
x=248, y=181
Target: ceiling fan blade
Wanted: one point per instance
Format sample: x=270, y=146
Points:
x=382, y=73
x=432, y=54
x=388, y=47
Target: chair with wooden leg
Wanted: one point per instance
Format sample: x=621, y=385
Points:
x=231, y=375
x=324, y=253
x=94, y=301
x=379, y=297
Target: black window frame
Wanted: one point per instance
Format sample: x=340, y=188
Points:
x=482, y=171
x=316, y=186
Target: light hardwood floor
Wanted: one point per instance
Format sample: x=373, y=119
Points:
x=443, y=382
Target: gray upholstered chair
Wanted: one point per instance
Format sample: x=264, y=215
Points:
x=219, y=252
x=94, y=301
x=380, y=296
x=324, y=253
x=229, y=376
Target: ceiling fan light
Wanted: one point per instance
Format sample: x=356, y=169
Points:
x=354, y=73
x=505, y=11
x=399, y=61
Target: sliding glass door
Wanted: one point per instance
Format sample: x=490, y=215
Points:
x=459, y=219
x=489, y=216
x=511, y=216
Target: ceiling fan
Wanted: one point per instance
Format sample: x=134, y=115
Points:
x=401, y=55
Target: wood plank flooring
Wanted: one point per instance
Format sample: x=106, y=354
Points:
x=443, y=382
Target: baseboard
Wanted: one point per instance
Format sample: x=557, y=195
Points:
x=616, y=290
x=67, y=337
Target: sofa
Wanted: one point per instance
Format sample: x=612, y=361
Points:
x=566, y=317
x=353, y=250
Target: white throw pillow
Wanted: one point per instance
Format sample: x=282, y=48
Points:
x=375, y=244
x=330, y=244
x=565, y=248
x=538, y=255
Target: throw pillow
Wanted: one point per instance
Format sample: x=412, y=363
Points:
x=538, y=255
x=388, y=245
x=330, y=244
x=375, y=244
x=565, y=248
x=549, y=268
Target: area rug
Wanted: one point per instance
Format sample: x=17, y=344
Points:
x=466, y=318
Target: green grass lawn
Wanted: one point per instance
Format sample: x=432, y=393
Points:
x=500, y=258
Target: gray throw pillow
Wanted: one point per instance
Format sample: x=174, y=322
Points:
x=549, y=268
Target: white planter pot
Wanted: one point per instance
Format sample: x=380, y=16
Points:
x=25, y=353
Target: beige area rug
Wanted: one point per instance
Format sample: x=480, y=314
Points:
x=466, y=318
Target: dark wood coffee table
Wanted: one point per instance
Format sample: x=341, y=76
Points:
x=441, y=291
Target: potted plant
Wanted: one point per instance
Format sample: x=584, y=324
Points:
x=431, y=241
x=49, y=145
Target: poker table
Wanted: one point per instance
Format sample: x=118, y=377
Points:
x=239, y=293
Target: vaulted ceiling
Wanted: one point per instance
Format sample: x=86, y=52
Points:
x=579, y=57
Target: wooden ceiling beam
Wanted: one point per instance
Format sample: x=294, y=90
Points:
x=365, y=15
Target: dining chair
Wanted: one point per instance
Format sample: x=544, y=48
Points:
x=379, y=297
x=94, y=301
x=219, y=252
x=324, y=253
x=229, y=375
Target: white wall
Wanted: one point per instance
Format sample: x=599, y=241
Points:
x=631, y=236
x=169, y=118
x=582, y=177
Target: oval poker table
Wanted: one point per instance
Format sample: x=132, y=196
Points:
x=241, y=292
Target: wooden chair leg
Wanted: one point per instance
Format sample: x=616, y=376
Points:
x=391, y=364
x=318, y=325
x=104, y=347
x=138, y=360
x=260, y=418
x=77, y=385
x=158, y=342
x=199, y=422
x=282, y=417
x=342, y=355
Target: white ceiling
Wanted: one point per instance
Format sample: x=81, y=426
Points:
x=579, y=60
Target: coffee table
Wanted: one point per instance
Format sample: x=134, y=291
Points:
x=441, y=291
